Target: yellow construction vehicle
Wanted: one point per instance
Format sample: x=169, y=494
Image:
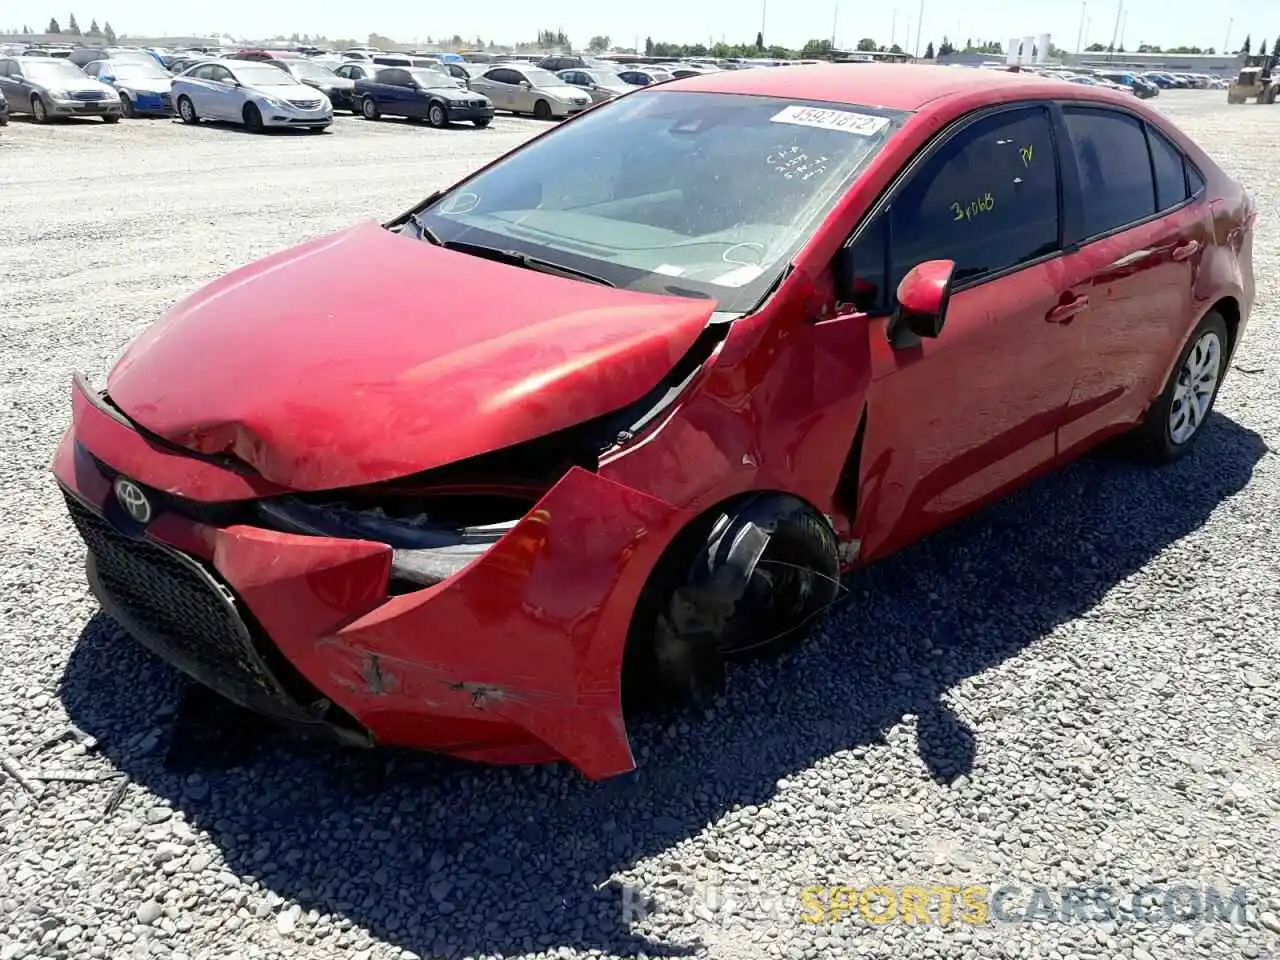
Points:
x=1255, y=82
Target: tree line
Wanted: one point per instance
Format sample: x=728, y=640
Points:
x=73, y=29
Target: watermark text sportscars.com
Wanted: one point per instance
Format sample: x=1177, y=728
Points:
x=969, y=905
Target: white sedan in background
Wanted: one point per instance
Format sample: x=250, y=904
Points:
x=255, y=94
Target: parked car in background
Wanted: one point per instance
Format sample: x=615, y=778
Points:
x=638, y=78
x=258, y=95
x=557, y=64
x=1139, y=86
x=254, y=55
x=420, y=94
x=144, y=88
x=83, y=56
x=521, y=89
x=48, y=88
x=599, y=85
x=339, y=90
x=464, y=72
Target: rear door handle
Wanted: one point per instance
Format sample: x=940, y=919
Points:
x=1186, y=250
x=1066, y=312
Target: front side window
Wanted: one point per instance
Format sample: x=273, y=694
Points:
x=1110, y=150
x=987, y=199
x=698, y=194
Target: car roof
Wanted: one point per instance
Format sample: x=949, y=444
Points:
x=891, y=85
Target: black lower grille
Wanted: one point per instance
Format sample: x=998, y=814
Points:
x=178, y=609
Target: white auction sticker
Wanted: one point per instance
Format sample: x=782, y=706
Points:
x=863, y=124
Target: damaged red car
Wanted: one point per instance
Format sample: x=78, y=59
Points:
x=622, y=406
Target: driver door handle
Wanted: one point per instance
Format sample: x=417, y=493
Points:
x=1186, y=250
x=1066, y=312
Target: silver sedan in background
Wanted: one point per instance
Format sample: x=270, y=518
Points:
x=257, y=95
x=50, y=87
x=600, y=85
x=520, y=88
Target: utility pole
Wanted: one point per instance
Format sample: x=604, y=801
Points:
x=835, y=18
x=764, y=7
x=1226, y=44
x=893, y=30
x=1115, y=31
x=1084, y=8
x=919, y=24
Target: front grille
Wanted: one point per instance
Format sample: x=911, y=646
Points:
x=178, y=609
x=306, y=104
x=88, y=95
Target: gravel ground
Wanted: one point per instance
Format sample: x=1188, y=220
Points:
x=1075, y=688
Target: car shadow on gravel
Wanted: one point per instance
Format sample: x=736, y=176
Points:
x=451, y=859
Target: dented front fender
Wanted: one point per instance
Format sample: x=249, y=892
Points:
x=518, y=658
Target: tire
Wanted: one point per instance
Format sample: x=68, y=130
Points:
x=187, y=110
x=111, y=118
x=703, y=609
x=39, y=112
x=481, y=124
x=253, y=118
x=542, y=110
x=126, y=107
x=437, y=116
x=369, y=110
x=1173, y=422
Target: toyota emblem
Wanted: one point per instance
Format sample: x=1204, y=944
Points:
x=134, y=501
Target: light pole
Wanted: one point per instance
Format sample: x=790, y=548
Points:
x=1084, y=8
x=835, y=19
x=764, y=8
x=1226, y=44
x=893, y=30
x=919, y=24
x=1115, y=31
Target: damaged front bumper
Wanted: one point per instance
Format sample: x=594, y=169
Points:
x=516, y=658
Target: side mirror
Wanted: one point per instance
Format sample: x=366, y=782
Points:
x=923, y=297
x=525, y=84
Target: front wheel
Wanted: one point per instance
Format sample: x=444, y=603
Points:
x=126, y=107
x=436, y=116
x=542, y=110
x=253, y=118
x=1177, y=417
x=39, y=112
x=111, y=118
x=482, y=123
x=187, y=110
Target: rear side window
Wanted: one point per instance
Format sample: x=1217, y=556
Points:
x=1171, y=176
x=1195, y=182
x=1110, y=150
x=987, y=199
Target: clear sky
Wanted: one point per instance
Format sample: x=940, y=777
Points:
x=786, y=22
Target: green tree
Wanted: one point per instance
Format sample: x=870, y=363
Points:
x=816, y=48
x=866, y=44
x=598, y=44
x=945, y=49
x=53, y=26
x=93, y=27
x=73, y=28
x=1262, y=49
x=1095, y=48
x=648, y=46
x=760, y=41
x=897, y=48
x=109, y=33
x=1246, y=48
x=928, y=51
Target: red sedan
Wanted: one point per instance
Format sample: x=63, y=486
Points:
x=621, y=406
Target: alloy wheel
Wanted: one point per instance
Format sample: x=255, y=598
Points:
x=1197, y=382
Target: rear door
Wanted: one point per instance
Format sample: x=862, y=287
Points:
x=955, y=421
x=1140, y=241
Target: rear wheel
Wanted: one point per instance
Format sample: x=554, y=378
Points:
x=369, y=110
x=542, y=110
x=187, y=110
x=1176, y=419
x=253, y=118
x=436, y=115
x=111, y=118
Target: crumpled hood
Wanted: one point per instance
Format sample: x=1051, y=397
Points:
x=367, y=355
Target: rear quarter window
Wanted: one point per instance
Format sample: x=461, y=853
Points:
x=1170, y=171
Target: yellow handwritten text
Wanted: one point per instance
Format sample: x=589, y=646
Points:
x=1027, y=152
x=973, y=208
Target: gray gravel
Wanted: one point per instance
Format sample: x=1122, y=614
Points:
x=1077, y=687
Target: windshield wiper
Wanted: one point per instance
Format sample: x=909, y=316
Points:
x=425, y=232
x=518, y=259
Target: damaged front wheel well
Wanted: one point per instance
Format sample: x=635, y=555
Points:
x=741, y=580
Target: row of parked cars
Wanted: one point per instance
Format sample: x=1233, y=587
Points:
x=262, y=89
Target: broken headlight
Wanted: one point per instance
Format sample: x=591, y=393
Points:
x=426, y=548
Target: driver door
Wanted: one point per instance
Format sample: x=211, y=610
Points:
x=225, y=96
x=956, y=421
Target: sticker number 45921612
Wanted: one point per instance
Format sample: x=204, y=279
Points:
x=849, y=121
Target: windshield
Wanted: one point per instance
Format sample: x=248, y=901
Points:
x=136, y=70
x=311, y=71
x=50, y=70
x=696, y=194
x=541, y=78
x=262, y=75
x=605, y=79
x=431, y=78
